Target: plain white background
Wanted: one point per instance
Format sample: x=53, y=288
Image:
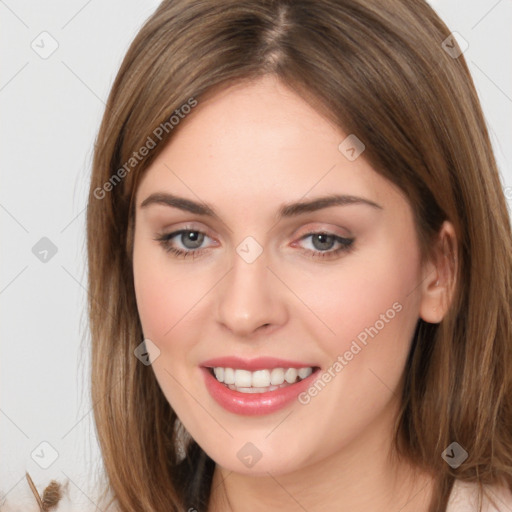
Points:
x=51, y=110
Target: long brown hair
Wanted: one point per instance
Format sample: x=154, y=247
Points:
x=377, y=69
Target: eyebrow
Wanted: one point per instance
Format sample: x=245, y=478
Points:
x=286, y=210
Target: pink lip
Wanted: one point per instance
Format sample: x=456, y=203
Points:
x=260, y=363
x=255, y=404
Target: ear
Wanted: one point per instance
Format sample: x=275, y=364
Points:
x=439, y=276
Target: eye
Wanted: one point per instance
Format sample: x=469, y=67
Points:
x=190, y=240
x=323, y=242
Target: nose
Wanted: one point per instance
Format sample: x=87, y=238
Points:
x=251, y=299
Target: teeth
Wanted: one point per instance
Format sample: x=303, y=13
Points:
x=229, y=376
x=290, y=375
x=260, y=381
x=243, y=379
x=219, y=374
x=253, y=390
x=305, y=372
x=277, y=376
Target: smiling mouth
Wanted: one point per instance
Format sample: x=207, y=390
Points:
x=260, y=381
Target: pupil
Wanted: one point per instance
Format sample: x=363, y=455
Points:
x=325, y=241
x=192, y=239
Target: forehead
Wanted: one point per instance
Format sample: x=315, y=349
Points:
x=257, y=142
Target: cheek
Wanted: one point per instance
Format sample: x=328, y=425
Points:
x=155, y=304
x=167, y=312
x=365, y=305
x=163, y=297
x=167, y=301
x=170, y=300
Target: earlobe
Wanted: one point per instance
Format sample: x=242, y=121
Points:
x=440, y=274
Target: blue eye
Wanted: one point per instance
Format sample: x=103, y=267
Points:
x=191, y=241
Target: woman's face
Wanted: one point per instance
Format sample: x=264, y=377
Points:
x=258, y=297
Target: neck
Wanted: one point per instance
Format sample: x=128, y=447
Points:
x=365, y=475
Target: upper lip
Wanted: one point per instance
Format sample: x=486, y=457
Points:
x=258, y=363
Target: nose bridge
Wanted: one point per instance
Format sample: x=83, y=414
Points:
x=249, y=297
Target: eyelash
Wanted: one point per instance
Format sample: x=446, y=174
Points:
x=165, y=239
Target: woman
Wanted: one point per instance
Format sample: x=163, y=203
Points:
x=300, y=265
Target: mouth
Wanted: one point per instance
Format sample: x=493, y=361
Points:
x=256, y=387
x=259, y=381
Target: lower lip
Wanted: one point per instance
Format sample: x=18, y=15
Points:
x=254, y=404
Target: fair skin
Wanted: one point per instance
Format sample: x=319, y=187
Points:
x=245, y=152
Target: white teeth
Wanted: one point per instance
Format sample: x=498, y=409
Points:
x=305, y=372
x=260, y=381
x=243, y=379
x=252, y=390
x=290, y=375
x=229, y=376
x=277, y=376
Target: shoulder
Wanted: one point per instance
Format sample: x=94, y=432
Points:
x=465, y=497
